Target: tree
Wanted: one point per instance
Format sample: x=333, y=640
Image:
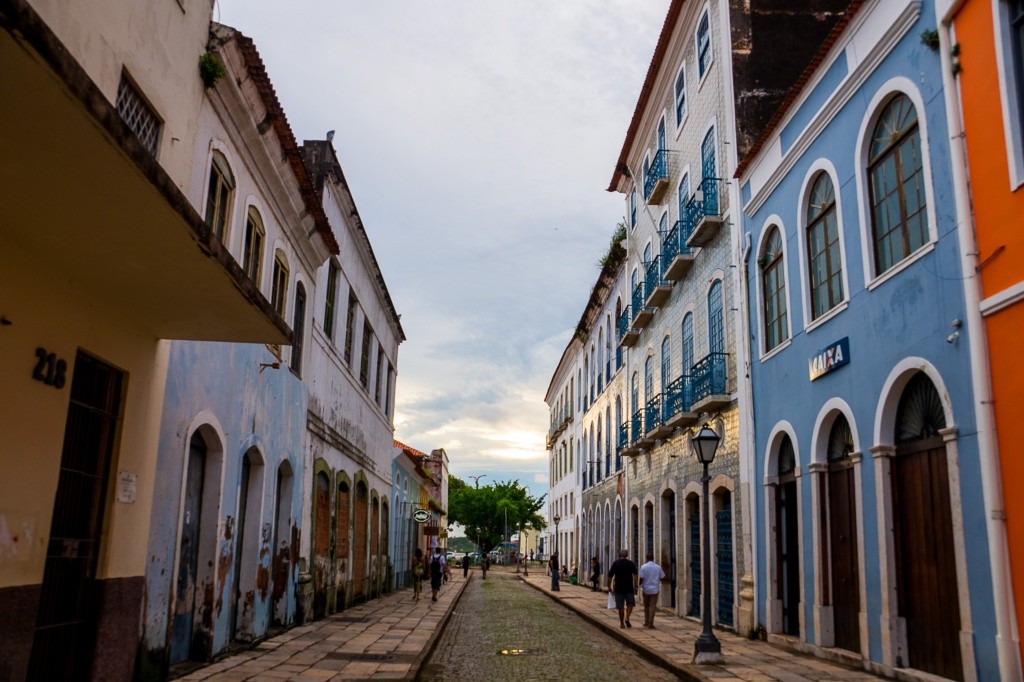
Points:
x=482, y=511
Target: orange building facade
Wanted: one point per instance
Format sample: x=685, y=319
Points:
x=986, y=45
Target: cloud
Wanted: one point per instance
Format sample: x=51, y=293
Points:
x=478, y=139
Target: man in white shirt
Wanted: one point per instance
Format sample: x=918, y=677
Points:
x=651, y=576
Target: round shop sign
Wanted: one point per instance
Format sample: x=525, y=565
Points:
x=421, y=515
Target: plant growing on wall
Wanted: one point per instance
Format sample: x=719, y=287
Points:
x=210, y=69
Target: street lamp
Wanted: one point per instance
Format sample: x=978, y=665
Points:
x=707, y=648
x=476, y=479
x=526, y=564
x=557, y=519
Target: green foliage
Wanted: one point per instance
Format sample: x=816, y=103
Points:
x=210, y=69
x=615, y=252
x=930, y=39
x=482, y=511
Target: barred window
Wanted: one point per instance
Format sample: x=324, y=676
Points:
x=138, y=114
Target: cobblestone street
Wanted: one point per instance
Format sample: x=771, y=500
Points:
x=504, y=614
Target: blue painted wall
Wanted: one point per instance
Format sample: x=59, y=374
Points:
x=262, y=409
x=908, y=315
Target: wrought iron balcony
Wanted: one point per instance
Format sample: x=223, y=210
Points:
x=708, y=378
x=703, y=213
x=657, y=288
x=678, y=399
x=636, y=427
x=656, y=178
x=627, y=335
x=676, y=256
x=623, y=437
x=654, y=426
x=642, y=315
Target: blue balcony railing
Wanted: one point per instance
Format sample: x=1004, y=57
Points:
x=654, y=278
x=638, y=299
x=678, y=397
x=708, y=376
x=673, y=242
x=652, y=414
x=636, y=427
x=704, y=202
x=658, y=170
x=624, y=319
x=623, y=441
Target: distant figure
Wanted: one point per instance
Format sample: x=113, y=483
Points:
x=418, y=569
x=651, y=576
x=436, y=572
x=622, y=581
x=553, y=565
x=485, y=563
x=465, y=565
x=595, y=574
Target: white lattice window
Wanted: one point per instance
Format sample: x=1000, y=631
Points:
x=137, y=113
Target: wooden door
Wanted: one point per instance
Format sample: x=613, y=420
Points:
x=695, y=557
x=670, y=503
x=926, y=582
x=845, y=571
x=62, y=645
x=724, y=560
x=342, y=530
x=787, y=551
x=283, y=544
x=359, y=551
x=188, y=553
x=321, y=544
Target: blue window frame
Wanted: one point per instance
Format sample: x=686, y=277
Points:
x=632, y=208
x=666, y=362
x=716, y=322
x=649, y=378
x=707, y=155
x=634, y=397
x=680, y=91
x=704, y=44
x=661, y=134
x=684, y=194
x=688, y=359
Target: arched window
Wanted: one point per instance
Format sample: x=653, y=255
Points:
x=716, y=321
x=666, y=362
x=896, y=185
x=824, y=261
x=279, y=285
x=634, y=394
x=299, y=331
x=252, y=252
x=773, y=288
x=704, y=54
x=687, y=341
x=787, y=458
x=680, y=90
x=618, y=432
x=649, y=378
x=218, y=194
x=684, y=196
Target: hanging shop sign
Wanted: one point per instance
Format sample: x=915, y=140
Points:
x=421, y=515
x=830, y=358
x=431, y=530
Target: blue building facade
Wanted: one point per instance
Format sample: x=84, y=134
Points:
x=868, y=497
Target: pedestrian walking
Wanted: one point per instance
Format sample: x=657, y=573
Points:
x=465, y=565
x=436, y=572
x=622, y=578
x=485, y=563
x=595, y=574
x=419, y=567
x=651, y=577
x=553, y=565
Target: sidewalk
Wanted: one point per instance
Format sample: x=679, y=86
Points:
x=384, y=639
x=670, y=643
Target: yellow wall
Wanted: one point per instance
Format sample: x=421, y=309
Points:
x=47, y=311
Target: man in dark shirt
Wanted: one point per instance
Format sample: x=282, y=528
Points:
x=622, y=582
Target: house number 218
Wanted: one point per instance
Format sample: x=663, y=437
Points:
x=49, y=369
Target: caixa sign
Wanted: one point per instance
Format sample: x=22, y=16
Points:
x=830, y=358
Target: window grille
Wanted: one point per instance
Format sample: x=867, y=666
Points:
x=139, y=116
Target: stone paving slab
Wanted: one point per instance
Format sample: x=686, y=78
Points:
x=388, y=638
x=672, y=639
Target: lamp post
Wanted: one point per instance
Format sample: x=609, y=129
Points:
x=557, y=519
x=707, y=648
x=476, y=479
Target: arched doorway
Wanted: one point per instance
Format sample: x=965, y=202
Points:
x=359, y=549
x=342, y=530
x=787, y=539
x=375, y=562
x=693, y=548
x=844, y=565
x=284, y=542
x=321, y=542
x=725, y=582
x=668, y=543
x=923, y=533
x=247, y=546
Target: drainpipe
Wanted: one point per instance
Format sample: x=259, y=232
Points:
x=1007, y=638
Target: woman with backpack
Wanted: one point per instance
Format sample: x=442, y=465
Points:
x=436, y=572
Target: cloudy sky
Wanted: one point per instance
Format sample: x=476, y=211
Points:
x=478, y=137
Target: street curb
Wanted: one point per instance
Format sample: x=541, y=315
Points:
x=417, y=664
x=683, y=673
